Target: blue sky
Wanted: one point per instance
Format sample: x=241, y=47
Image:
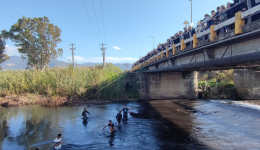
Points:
x=127, y=23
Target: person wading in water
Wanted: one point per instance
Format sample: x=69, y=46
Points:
x=58, y=142
x=84, y=114
x=119, y=118
x=111, y=125
x=125, y=110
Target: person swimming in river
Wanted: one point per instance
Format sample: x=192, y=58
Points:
x=125, y=110
x=84, y=114
x=119, y=118
x=111, y=125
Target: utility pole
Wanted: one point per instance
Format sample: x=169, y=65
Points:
x=72, y=49
x=126, y=66
x=191, y=12
x=104, y=55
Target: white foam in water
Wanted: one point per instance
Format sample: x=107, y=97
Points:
x=239, y=103
x=220, y=101
x=247, y=104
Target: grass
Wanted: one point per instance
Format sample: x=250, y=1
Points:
x=217, y=84
x=90, y=82
x=213, y=83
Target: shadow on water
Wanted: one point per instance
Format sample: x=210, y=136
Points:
x=159, y=124
x=151, y=125
x=171, y=133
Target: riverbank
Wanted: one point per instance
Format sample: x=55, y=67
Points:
x=54, y=87
x=28, y=99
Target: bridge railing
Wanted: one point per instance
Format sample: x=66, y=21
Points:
x=242, y=22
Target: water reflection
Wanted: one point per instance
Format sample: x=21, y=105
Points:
x=34, y=126
x=112, y=138
x=160, y=124
x=85, y=122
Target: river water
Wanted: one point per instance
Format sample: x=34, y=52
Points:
x=159, y=124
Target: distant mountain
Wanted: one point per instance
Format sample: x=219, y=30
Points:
x=17, y=63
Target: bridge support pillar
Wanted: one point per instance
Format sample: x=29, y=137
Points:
x=168, y=85
x=247, y=83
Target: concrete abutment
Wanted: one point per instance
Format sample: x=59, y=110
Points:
x=168, y=85
x=247, y=83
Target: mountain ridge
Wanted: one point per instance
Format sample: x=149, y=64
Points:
x=17, y=63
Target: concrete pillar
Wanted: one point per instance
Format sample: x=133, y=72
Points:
x=168, y=85
x=247, y=84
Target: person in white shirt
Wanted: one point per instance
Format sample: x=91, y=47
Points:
x=58, y=142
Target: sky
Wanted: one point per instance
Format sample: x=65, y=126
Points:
x=125, y=26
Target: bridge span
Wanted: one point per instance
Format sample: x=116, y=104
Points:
x=172, y=73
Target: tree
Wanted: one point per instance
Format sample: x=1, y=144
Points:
x=36, y=40
x=3, y=56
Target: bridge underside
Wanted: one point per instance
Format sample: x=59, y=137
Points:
x=251, y=60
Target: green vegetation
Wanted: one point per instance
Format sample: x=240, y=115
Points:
x=3, y=56
x=213, y=83
x=217, y=84
x=81, y=82
x=36, y=40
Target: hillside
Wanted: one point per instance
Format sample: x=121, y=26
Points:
x=17, y=63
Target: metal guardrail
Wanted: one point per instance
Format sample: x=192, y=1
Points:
x=250, y=11
x=226, y=22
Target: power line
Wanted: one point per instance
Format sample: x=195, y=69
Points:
x=11, y=12
x=91, y=21
x=96, y=20
x=11, y=8
x=103, y=22
x=8, y=15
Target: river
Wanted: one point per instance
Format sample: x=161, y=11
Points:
x=158, y=124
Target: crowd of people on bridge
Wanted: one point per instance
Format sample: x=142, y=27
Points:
x=221, y=14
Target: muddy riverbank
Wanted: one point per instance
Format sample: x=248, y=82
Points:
x=28, y=99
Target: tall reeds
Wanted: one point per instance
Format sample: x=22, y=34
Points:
x=77, y=82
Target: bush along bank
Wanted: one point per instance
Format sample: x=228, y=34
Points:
x=63, y=86
x=216, y=85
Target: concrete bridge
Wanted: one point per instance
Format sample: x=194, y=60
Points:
x=172, y=73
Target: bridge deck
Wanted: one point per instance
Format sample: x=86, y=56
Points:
x=243, y=40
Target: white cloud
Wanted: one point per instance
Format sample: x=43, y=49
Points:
x=117, y=48
x=11, y=51
x=80, y=59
